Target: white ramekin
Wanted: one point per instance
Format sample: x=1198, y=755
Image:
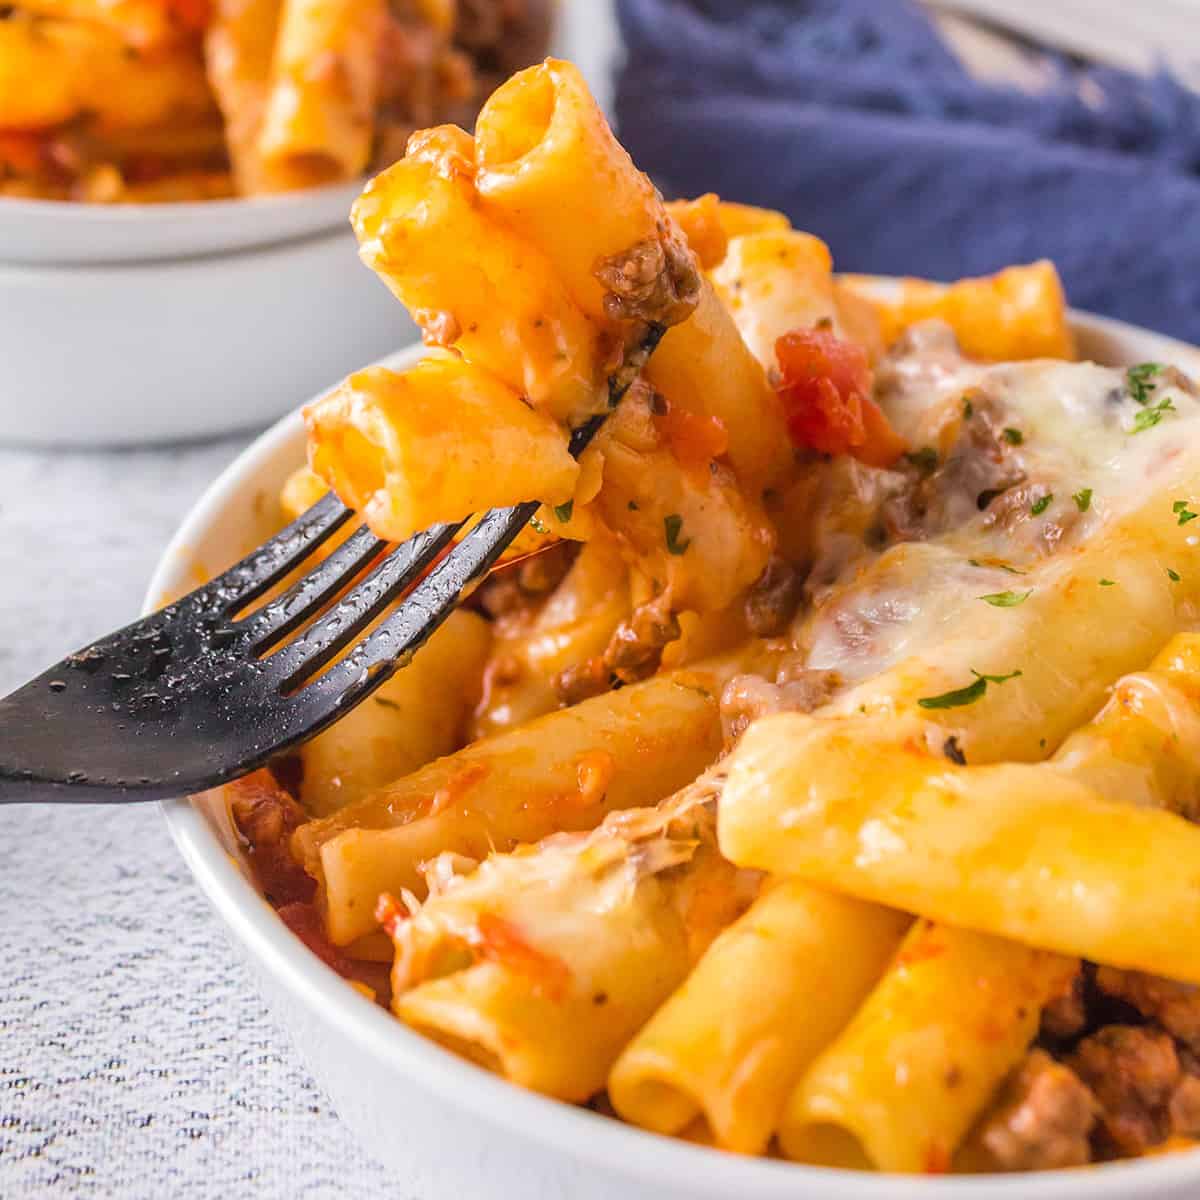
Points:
x=134, y=324
x=126, y=353
x=451, y=1129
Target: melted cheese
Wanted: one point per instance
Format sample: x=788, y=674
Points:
x=916, y=606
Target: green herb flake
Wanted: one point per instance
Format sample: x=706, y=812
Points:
x=1083, y=499
x=966, y=695
x=1107, y=583
x=673, y=525
x=633, y=506
x=387, y=703
x=563, y=511
x=538, y=524
x=1149, y=417
x=1173, y=576
x=1014, y=437
x=1181, y=510
x=1139, y=381
x=968, y=408
x=995, y=566
x=925, y=459
x=1006, y=599
x=1039, y=506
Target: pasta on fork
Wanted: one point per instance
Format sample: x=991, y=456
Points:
x=820, y=775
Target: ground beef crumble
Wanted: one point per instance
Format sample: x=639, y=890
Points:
x=1066, y=1015
x=655, y=281
x=635, y=650
x=1174, y=1006
x=773, y=599
x=1133, y=1072
x=794, y=689
x=266, y=816
x=1043, y=1119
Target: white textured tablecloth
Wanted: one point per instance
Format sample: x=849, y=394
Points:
x=136, y=1058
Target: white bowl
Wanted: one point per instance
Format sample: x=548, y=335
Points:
x=126, y=353
x=451, y=1129
x=143, y=323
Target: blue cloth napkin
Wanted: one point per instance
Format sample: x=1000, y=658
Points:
x=853, y=117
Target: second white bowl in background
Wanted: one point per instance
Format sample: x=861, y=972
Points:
x=129, y=353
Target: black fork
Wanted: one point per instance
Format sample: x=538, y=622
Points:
x=192, y=696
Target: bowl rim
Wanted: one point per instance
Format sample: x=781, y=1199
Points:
x=85, y=212
x=67, y=234
x=596, y=1140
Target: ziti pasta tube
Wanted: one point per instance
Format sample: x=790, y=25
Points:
x=417, y=716
x=541, y=964
x=769, y=994
x=625, y=749
x=903, y=1083
x=550, y=167
x=1017, y=313
x=1022, y=851
x=320, y=110
x=774, y=283
x=860, y=1098
x=435, y=443
x=572, y=628
x=473, y=284
x=239, y=49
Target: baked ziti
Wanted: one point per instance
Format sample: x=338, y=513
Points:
x=818, y=777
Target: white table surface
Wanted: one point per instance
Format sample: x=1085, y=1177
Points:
x=136, y=1057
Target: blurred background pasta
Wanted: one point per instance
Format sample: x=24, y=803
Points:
x=166, y=100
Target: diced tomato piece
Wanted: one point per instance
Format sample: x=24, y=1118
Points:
x=695, y=439
x=500, y=941
x=825, y=388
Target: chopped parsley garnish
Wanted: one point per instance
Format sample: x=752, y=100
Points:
x=1149, y=417
x=563, y=511
x=674, y=526
x=966, y=695
x=1014, y=437
x=1139, y=381
x=633, y=506
x=1173, y=576
x=1107, y=583
x=1181, y=510
x=1039, y=506
x=538, y=524
x=995, y=566
x=968, y=408
x=1006, y=599
x=1083, y=499
x=925, y=459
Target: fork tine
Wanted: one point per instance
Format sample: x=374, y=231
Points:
x=253, y=575
x=390, y=646
x=335, y=629
x=267, y=625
